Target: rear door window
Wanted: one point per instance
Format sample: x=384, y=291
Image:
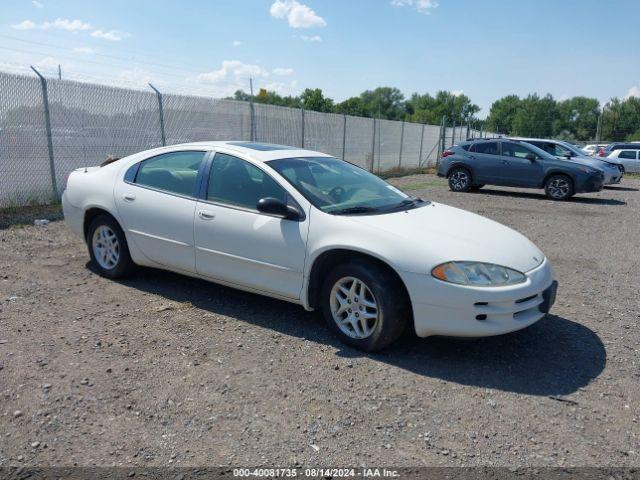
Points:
x=174, y=172
x=511, y=149
x=628, y=154
x=487, y=148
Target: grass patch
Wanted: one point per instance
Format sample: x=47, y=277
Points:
x=403, y=172
x=19, y=217
x=421, y=185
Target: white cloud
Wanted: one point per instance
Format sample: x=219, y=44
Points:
x=231, y=76
x=66, y=24
x=297, y=14
x=236, y=43
x=634, y=91
x=457, y=93
x=282, y=88
x=283, y=72
x=422, y=6
x=24, y=25
x=312, y=38
x=84, y=50
x=59, y=24
x=48, y=63
x=37, y=4
x=111, y=35
x=233, y=70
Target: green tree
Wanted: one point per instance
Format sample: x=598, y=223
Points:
x=502, y=114
x=577, y=116
x=430, y=110
x=621, y=119
x=386, y=101
x=535, y=116
x=314, y=99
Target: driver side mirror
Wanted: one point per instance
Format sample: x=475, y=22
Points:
x=273, y=206
x=531, y=157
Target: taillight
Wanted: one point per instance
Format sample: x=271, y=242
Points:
x=446, y=153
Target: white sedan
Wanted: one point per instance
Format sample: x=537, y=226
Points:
x=308, y=228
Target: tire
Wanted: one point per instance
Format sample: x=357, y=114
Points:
x=559, y=187
x=115, y=261
x=381, y=289
x=460, y=179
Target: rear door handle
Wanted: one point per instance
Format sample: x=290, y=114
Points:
x=206, y=215
x=129, y=197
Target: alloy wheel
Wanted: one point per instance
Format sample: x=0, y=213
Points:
x=354, y=308
x=459, y=180
x=559, y=188
x=106, y=248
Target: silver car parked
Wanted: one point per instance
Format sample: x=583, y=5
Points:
x=612, y=167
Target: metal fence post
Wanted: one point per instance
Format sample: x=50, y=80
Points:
x=47, y=123
x=421, y=145
x=441, y=140
x=344, y=134
x=161, y=111
x=401, y=142
x=453, y=134
x=252, y=113
x=373, y=147
x=302, y=132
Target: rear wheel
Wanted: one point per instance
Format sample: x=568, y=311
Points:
x=559, y=187
x=364, y=305
x=460, y=180
x=108, y=247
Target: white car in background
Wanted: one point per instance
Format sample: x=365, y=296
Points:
x=305, y=227
x=592, y=149
x=628, y=157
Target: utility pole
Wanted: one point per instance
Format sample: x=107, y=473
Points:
x=59, y=72
x=599, y=127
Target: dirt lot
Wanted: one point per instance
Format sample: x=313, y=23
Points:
x=164, y=370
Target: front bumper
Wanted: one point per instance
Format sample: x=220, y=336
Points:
x=441, y=308
x=612, y=176
x=593, y=183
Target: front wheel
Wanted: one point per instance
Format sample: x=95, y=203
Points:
x=559, y=187
x=364, y=305
x=460, y=180
x=108, y=247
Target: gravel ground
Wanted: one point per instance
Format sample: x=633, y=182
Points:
x=162, y=370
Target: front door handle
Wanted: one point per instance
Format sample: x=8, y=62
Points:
x=206, y=215
x=129, y=197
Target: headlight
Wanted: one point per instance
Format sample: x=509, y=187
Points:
x=477, y=274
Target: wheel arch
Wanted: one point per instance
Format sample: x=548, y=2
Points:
x=459, y=164
x=93, y=212
x=328, y=259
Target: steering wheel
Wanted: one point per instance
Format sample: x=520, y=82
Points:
x=337, y=193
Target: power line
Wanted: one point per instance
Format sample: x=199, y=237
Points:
x=190, y=68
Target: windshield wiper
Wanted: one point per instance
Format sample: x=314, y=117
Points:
x=408, y=202
x=360, y=209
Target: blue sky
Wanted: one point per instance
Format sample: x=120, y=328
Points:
x=485, y=49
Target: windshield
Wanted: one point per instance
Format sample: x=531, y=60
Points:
x=573, y=149
x=338, y=187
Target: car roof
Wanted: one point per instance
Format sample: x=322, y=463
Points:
x=258, y=151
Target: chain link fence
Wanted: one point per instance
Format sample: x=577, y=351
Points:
x=49, y=127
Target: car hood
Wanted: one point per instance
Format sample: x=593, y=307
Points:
x=590, y=161
x=440, y=233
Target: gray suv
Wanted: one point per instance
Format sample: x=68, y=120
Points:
x=471, y=165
